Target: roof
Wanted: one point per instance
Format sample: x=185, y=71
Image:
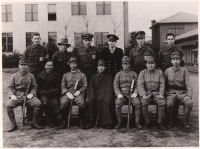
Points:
x=188, y=34
x=180, y=17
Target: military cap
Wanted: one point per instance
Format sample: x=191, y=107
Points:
x=112, y=37
x=72, y=59
x=125, y=59
x=175, y=55
x=64, y=41
x=139, y=34
x=87, y=36
x=101, y=62
x=150, y=58
x=23, y=61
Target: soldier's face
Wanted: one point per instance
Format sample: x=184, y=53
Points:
x=101, y=68
x=73, y=65
x=36, y=40
x=150, y=65
x=140, y=41
x=23, y=67
x=63, y=47
x=87, y=42
x=125, y=66
x=112, y=43
x=176, y=61
x=49, y=67
x=170, y=40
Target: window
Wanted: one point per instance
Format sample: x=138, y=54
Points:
x=78, y=8
x=31, y=11
x=103, y=8
x=101, y=38
x=28, y=38
x=7, y=42
x=77, y=39
x=176, y=30
x=52, y=37
x=52, y=12
x=6, y=11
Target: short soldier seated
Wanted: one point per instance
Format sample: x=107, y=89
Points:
x=17, y=86
x=178, y=87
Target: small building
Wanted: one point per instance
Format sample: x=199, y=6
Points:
x=189, y=43
x=178, y=24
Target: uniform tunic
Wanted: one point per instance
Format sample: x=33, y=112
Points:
x=17, y=86
x=178, y=86
x=122, y=85
x=165, y=56
x=36, y=55
x=113, y=60
x=68, y=82
x=101, y=98
x=87, y=60
x=61, y=62
x=49, y=90
x=151, y=84
x=137, y=57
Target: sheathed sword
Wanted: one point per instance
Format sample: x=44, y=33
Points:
x=129, y=104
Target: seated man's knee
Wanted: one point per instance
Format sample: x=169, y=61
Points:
x=136, y=102
x=188, y=103
x=118, y=102
x=144, y=102
x=9, y=105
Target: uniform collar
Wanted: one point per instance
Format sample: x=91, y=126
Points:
x=126, y=71
x=100, y=74
x=176, y=68
x=36, y=46
x=23, y=74
x=151, y=71
x=77, y=70
x=112, y=50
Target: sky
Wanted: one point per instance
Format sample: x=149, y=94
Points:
x=142, y=12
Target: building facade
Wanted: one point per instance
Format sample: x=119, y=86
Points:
x=56, y=20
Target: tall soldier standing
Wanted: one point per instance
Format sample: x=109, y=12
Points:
x=113, y=56
x=139, y=53
x=36, y=55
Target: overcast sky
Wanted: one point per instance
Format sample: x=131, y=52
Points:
x=142, y=12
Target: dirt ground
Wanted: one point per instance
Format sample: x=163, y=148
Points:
x=99, y=137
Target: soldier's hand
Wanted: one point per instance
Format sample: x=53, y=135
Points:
x=160, y=96
x=30, y=96
x=13, y=97
x=144, y=97
x=119, y=96
x=134, y=95
x=70, y=95
x=77, y=93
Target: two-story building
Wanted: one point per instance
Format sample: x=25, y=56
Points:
x=55, y=20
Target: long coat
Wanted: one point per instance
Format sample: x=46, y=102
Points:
x=101, y=98
x=49, y=86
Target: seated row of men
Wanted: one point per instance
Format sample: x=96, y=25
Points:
x=151, y=85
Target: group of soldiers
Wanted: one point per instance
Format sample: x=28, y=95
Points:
x=100, y=83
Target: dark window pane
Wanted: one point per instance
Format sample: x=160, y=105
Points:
x=9, y=9
x=99, y=10
x=52, y=17
x=28, y=8
x=35, y=8
x=10, y=48
x=28, y=17
x=78, y=39
x=28, y=38
x=3, y=48
x=105, y=39
x=3, y=40
x=82, y=10
x=10, y=40
x=52, y=37
x=35, y=16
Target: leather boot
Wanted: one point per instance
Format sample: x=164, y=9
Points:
x=48, y=116
x=119, y=117
x=185, y=117
x=90, y=125
x=36, y=113
x=64, y=114
x=11, y=116
x=146, y=116
x=137, y=117
x=170, y=117
x=82, y=118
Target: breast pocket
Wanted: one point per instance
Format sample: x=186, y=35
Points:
x=135, y=57
x=83, y=56
x=32, y=58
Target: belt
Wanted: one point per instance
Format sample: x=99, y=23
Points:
x=21, y=89
x=177, y=88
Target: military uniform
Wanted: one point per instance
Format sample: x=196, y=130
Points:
x=178, y=87
x=68, y=83
x=17, y=86
x=122, y=85
x=152, y=84
x=165, y=56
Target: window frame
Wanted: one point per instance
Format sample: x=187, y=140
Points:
x=76, y=41
x=52, y=13
x=55, y=37
x=6, y=13
x=78, y=5
x=31, y=12
x=6, y=40
x=103, y=43
x=103, y=5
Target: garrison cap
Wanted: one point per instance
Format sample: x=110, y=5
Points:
x=101, y=62
x=175, y=55
x=72, y=59
x=139, y=34
x=64, y=41
x=112, y=37
x=23, y=61
x=125, y=60
x=87, y=36
x=150, y=58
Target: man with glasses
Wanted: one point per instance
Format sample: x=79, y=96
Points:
x=62, y=57
x=151, y=86
x=138, y=54
x=112, y=55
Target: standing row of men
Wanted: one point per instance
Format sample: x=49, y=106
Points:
x=87, y=58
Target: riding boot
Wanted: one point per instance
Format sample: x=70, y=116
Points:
x=146, y=116
x=11, y=116
x=137, y=117
x=170, y=117
x=119, y=117
x=48, y=116
x=82, y=118
x=185, y=117
x=64, y=114
x=36, y=113
x=161, y=111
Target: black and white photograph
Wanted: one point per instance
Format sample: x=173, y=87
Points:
x=100, y=74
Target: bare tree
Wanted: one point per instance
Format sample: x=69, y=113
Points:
x=64, y=26
x=116, y=22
